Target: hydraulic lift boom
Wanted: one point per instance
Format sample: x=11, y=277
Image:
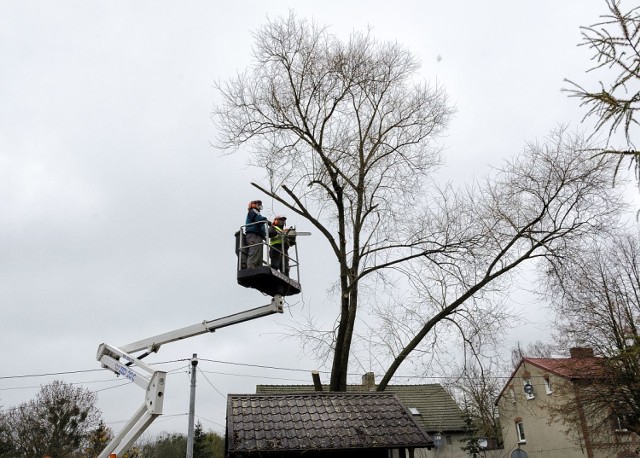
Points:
x=122, y=362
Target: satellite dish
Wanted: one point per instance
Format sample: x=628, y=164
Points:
x=519, y=453
x=437, y=440
x=482, y=442
x=528, y=388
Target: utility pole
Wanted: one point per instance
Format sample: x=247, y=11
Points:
x=192, y=405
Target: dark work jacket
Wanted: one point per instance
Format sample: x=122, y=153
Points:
x=254, y=216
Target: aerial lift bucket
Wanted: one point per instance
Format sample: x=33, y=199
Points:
x=264, y=278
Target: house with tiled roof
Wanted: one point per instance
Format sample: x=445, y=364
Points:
x=542, y=410
x=429, y=404
x=318, y=425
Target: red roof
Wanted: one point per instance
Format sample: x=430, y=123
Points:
x=571, y=368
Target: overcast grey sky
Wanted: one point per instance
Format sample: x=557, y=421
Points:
x=117, y=215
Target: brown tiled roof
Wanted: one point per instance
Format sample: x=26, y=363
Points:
x=319, y=421
x=571, y=368
x=438, y=412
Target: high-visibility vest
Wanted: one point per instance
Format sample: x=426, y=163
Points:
x=277, y=240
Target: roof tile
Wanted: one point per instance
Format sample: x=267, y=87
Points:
x=376, y=420
x=438, y=411
x=573, y=368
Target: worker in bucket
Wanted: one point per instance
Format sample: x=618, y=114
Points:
x=280, y=241
x=255, y=234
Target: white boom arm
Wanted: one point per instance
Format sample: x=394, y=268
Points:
x=121, y=362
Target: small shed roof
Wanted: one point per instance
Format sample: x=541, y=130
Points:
x=319, y=421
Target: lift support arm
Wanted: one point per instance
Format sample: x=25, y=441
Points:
x=154, y=381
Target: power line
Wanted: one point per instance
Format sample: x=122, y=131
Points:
x=261, y=366
x=79, y=371
x=230, y=363
x=49, y=374
x=212, y=386
x=257, y=376
x=210, y=421
x=126, y=382
x=166, y=417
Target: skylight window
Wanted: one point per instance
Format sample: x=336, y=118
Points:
x=414, y=411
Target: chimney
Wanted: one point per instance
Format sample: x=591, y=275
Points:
x=369, y=381
x=581, y=352
x=315, y=376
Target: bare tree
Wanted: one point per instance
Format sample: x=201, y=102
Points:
x=595, y=288
x=615, y=42
x=345, y=132
x=476, y=386
x=546, y=198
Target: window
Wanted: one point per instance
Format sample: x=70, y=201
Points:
x=520, y=432
x=414, y=411
x=547, y=385
x=528, y=389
